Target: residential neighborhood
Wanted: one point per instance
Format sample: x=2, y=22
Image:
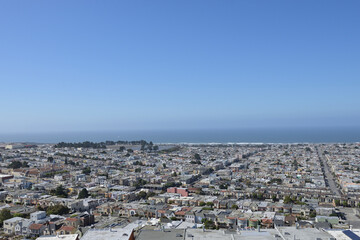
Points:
x=141, y=190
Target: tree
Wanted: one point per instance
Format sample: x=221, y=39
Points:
x=57, y=209
x=141, y=195
x=312, y=214
x=5, y=214
x=210, y=204
x=18, y=164
x=197, y=156
x=140, y=183
x=208, y=224
x=83, y=193
x=196, y=162
x=164, y=165
x=86, y=171
x=223, y=186
x=59, y=192
x=234, y=206
x=137, y=170
x=50, y=159
x=287, y=199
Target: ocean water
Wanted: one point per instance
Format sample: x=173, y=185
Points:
x=280, y=135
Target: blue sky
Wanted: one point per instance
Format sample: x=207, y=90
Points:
x=115, y=65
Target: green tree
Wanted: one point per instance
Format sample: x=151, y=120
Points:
x=141, y=195
x=312, y=214
x=137, y=170
x=83, y=193
x=223, y=186
x=208, y=224
x=86, y=171
x=287, y=199
x=5, y=214
x=59, y=192
x=197, y=156
x=50, y=159
x=18, y=164
x=58, y=210
x=210, y=204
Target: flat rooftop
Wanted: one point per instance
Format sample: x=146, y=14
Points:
x=110, y=234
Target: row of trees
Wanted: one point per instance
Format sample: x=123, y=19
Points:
x=60, y=191
x=88, y=144
x=18, y=164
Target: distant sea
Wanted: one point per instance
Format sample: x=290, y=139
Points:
x=261, y=135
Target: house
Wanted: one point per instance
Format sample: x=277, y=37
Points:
x=279, y=220
x=38, y=216
x=36, y=229
x=331, y=220
x=182, y=191
x=325, y=210
x=64, y=230
x=51, y=228
x=62, y=237
x=190, y=217
x=9, y=225
x=290, y=220
x=86, y=219
x=74, y=222
x=242, y=222
x=124, y=233
x=22, y=227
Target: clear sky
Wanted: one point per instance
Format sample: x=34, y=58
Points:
x=181, y=64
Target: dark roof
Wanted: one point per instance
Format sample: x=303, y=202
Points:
x=351, y=235
x=324, y=225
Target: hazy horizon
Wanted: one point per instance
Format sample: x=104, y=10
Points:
x=254, y=135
